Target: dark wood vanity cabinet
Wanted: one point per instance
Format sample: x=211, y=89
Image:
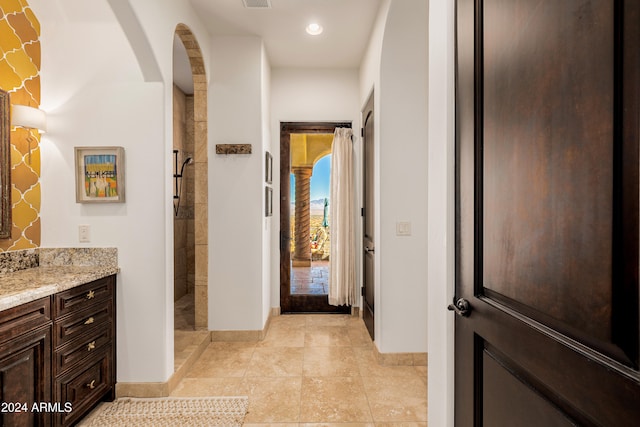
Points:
x=83, y=362
x=58, y=353
x=25, y=363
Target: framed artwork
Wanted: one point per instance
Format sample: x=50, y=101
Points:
x=268, y=170
x=99, y=174
x=268, y=201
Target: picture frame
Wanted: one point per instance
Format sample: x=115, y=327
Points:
x=268, y=170
x=99, y=174
x=268, y=201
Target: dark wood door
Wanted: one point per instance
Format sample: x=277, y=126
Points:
x=368, y=242
x=547, y=134
x=297, y=303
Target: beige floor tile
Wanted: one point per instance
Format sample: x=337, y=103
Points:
x=422, y=370
x=311, y=370
x=333, y=400
x=270, y=424
x=272, y=400
x=223, y=359
x=406, y=424
x=276, y=362
x=283, y=337
x=289, y=320
x=337, y=425
x=396, y=399
x=359, y=337
x=323, y=336
x=330, y=362
x=200, y=387
x=315, y=320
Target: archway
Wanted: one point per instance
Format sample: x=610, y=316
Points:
x=194, y=152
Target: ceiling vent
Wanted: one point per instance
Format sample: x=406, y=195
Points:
x=257, y=4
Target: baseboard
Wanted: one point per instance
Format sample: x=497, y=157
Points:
x=245, y=336
x=400, y=359
x=142, y=389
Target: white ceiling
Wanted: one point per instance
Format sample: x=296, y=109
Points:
x=347, y=27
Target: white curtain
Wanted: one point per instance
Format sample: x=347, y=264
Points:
x=342, y=275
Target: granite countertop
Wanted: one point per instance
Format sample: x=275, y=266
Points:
x=34, y=283
x=29, y=275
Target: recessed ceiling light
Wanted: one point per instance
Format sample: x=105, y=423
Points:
x=314, y=29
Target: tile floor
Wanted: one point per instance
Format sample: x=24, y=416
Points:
x=311, y=369
x=312, y=280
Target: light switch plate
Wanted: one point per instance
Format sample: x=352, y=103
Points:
x=84, y=233
x=403, y=228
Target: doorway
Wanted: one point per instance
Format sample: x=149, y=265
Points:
x=190, y=200
x=368, y=241
x=304, y=223
x=190, y=196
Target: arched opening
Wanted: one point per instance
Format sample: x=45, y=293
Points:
x=190, y=200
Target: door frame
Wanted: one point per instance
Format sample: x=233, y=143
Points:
x=440, y=214
x=297, y=303
x=368, y=215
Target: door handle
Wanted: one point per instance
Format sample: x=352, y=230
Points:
x=461, y=307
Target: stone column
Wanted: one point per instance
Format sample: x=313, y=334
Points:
x=302, y=254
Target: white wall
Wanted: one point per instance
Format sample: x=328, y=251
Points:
x=95, y=92
x=396, y=67
x=441, y=217
x=307, y=95
x=268, y=221
x=370, y=86
x=236, y=185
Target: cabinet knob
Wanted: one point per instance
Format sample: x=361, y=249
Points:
x=91, y=295
x=91, y=346
x=89, y=321
x=92, y=384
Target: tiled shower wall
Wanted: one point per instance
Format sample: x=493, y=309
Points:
x=183, y=225
x=20, y=76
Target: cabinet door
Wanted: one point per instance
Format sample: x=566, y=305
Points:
x=25, y=370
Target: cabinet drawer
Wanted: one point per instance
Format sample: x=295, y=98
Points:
x=84, y=388
x=83, y=296
x=82, y=322
x=85, y=346
x=24, y=318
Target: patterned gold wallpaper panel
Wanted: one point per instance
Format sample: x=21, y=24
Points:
x=20, y=76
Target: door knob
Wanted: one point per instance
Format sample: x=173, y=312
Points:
x=461, y=306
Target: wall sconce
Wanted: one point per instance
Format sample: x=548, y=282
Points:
x=29, y=118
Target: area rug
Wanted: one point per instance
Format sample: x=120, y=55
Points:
x=171, y=411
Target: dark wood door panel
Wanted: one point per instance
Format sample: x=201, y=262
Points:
x=587, y=386
x=547, y=212
x=368, y=226
x=548, y=146
x=508, y=400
